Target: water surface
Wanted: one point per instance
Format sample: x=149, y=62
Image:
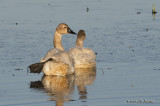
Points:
x=126, y=43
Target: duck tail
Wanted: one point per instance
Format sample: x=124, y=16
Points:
x=36, y=67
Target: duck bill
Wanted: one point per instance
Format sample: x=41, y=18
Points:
x=70, y=31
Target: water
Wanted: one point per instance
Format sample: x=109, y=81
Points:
x=126, y=43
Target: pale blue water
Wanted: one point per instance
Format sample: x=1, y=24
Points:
x=127, y=44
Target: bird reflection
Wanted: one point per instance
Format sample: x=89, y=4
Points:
x=59, y=88
x=154, y=16
x=83, y=78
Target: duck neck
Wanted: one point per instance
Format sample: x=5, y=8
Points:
x=57, y=41
x=79, y=42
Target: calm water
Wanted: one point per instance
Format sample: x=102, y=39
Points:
x=127, y=43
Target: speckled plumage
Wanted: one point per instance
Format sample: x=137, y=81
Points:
x=61, y=63
x=83, y=57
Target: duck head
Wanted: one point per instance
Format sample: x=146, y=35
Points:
x=80, y=38
x=64, y=29
x=81, y=35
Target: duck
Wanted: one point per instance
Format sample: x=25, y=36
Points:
x=154, y=10
x=57, y=61
x=82, y=57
